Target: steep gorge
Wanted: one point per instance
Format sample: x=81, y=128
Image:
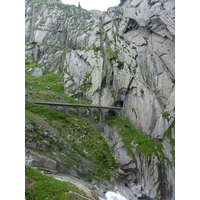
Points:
x=126, y=57
x=122, y=57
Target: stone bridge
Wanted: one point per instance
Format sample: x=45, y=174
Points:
x=104, y=110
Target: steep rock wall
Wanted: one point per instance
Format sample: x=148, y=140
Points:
x=151, y=176
x=124, y=58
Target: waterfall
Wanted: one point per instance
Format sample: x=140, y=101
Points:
x=113, y=196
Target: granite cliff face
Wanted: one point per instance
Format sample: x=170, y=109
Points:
x=151, y=176
x=122, y=57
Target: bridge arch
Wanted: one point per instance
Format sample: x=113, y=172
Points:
x=98, y=115
x=104, y=110
x=85, y=112
x=112, y=113
x=71, y=110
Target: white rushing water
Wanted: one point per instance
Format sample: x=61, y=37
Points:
x=113, y=196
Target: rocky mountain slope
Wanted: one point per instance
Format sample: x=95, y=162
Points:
x=120, y=156
x=123, y=57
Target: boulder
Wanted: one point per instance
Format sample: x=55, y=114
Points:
x=50, y=164
x=35, y=71
x=28, y=182
x=70, y=138
x=120, y=172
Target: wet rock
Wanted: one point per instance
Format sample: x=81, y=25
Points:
x=140, y=194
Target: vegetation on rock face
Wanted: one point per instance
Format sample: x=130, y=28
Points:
x=129, y=134
x=110, y=54
x=166, y=115
x=120, y=64
x=48, y=87
x=168, y=134
x=86, y=83
x=89, y=145
x=133, y=138
x=47, y=187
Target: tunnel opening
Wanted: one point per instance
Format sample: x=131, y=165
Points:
x=119, y=103
x=112, y=113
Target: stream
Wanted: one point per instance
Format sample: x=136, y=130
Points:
x=109, y=195
x=113, y=196
x=99, y=189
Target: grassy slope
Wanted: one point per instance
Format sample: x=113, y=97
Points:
x=39, y=84
x=47, y=187
x=97, y=152
x=144, y=144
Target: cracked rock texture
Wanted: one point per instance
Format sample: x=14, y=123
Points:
x=122, y=57
x=152, y=176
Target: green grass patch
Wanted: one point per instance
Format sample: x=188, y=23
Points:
x=111, y=54
x=120, y=65
x=32, y=65
x=48, y=113
x=36, y=150
x=168, y=134
x=97, y=115
x=90, y=178
x=47, y=187
x=71, y=161
x=85, y=86
x=141, y=91
x=128, y=134
x=39, y=84
x=93, y=147
x=166, y=115
x=133, y=47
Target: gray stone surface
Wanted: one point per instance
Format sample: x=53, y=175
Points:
x=143, y=178
x=143, y=39
x=141, y=35
x=50, y=164
x=35, y=71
